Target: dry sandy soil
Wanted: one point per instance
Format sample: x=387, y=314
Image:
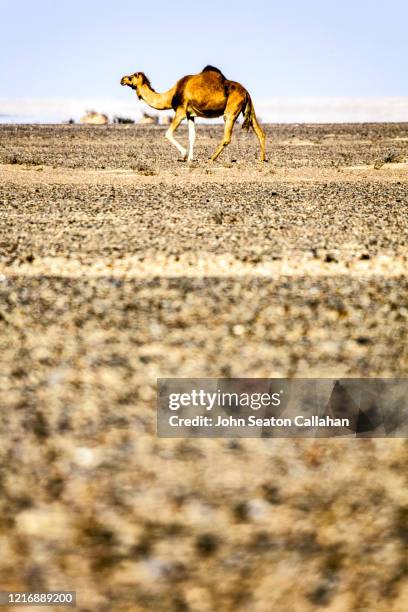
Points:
x=119, y=265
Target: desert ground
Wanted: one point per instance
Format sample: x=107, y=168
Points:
x=120, y=264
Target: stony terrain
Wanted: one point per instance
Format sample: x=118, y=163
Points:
x=118, y=265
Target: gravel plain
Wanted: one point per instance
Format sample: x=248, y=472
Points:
x=120, y=264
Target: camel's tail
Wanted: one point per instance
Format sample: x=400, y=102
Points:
x=248, y=112
x=250, y=120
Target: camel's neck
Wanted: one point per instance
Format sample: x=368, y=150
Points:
x=159, y=101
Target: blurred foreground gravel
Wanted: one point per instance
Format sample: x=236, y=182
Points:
x=119, y=265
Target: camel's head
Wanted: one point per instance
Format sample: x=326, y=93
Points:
x=135, y=80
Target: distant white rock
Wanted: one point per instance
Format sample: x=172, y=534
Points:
x=94, y=118
x=147, y=119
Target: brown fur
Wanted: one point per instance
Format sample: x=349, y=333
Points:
x=207, y=94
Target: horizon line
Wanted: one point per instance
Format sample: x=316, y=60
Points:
x=277, y=109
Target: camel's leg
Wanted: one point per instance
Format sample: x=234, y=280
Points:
x=229, y=124
x=191, y=137
x=178, y=118
x=232, y=111
x=260, y=134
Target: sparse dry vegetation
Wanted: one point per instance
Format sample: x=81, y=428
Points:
x=123, y=120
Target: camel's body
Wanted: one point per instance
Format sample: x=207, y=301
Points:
x=207, y=94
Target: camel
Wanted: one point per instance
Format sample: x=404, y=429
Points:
x=207, y=94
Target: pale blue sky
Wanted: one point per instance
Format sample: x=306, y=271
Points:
x=79, y=48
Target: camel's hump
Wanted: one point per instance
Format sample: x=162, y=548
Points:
x=213, y=69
